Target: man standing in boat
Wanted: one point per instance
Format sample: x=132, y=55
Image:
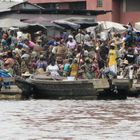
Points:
x=112, y=60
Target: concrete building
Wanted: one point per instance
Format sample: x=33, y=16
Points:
x=123, y=11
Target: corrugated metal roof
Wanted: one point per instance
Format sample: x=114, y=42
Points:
x=26, y=2
x=48, y=17
x=5, y=6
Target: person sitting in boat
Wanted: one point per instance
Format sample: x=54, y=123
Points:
x=41, y=63
x=82, y=72
x=66, y=70
x=60, y=64
x=95, y=68
x=53, y=70
x=8, y=73
x=9, y=59
x=88, y=68
x=23, y=66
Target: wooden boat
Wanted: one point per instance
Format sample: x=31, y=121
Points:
x=8, y=90
x=12, y=93
x=44, y=87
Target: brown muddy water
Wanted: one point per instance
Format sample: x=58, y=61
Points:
x=70, y=120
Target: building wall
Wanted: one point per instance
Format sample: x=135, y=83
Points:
x=130, y=11
x=90, y=5
x=64, y=6
x=132, y=5
x=107, y=5
x=116, y=10
x=130, y=17
x=123, y=11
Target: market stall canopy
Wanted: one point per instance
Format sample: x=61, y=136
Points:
x=113, y=26
x=83, y=22
x=67, y=24
x=10, y=22
x=32, y=28
x=37, y=20
x=41, y=20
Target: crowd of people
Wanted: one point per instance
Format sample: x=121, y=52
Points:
x=80, y=54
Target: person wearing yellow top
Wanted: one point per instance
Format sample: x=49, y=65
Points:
x=74, y=69
x=112, y=63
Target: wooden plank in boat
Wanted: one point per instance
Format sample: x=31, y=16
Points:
x=120, y=82
x=45, y=77
x=42, y=77
x=100, y=83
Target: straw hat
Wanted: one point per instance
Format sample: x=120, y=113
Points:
x=40, y=71
x=26, y=74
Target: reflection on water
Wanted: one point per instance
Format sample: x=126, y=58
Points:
x=70, y=120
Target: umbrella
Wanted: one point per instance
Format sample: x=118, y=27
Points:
x=86, y=25
x=108, y=25
x=137, y=26
x=33, y=28
x=67, y=24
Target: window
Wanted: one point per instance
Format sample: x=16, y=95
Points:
x=99, y=3
x=132, y=6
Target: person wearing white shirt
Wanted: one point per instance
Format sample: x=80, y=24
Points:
x=71, y=44
x=53, y=69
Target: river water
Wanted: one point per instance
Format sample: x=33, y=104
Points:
x=70, y=120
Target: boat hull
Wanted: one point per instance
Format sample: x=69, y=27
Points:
x=65, y=90
x=77, y=89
